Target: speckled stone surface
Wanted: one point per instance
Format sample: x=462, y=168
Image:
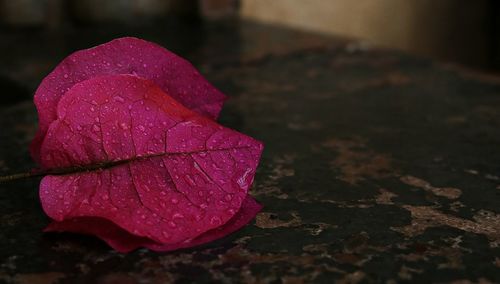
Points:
x=378, y=166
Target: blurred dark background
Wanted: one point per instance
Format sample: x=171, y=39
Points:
x=36, y=34
x=462, y=31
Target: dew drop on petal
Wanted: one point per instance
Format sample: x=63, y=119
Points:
x=215, y=221
x=124, y=126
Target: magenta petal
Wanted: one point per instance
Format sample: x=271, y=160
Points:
x=122, y=241
x=167, y=174
x=116, y=237
x=249, y=208
x=128, y=55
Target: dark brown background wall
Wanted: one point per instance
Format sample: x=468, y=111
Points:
x=455, y=30
x=461, y=31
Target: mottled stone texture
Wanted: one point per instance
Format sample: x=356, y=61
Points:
x=378, y=167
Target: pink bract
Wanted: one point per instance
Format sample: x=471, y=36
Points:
x=167, y=175
x=128, y=55
x=124, y=242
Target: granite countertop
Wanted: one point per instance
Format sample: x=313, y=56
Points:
x=378, y=166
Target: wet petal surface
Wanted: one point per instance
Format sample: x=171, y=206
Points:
x=147, y=164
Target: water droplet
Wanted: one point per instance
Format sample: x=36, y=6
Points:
x=96, y=128
x=174, y=200
x=124, y=126
x=172, y=224
x=190, y=180
x=119, y=99
x=66, y=76
x=228, y=197
x=165, y=235
x=215, y=220
x=141, y=128
x=242, y=180
x=178, y=215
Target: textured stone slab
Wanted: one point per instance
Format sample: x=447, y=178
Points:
x=378, y=166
